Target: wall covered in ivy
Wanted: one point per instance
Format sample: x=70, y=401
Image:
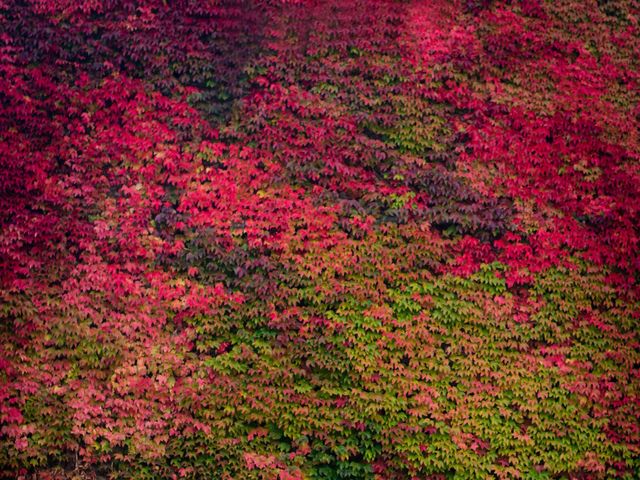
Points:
x=291, y=240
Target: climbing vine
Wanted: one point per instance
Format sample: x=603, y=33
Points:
x=365, y=239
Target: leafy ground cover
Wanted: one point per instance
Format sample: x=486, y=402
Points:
x=356, y=239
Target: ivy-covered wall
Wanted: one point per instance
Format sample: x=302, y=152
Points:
x=356, y=239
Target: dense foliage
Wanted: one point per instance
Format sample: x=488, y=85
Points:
x=355, y=239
